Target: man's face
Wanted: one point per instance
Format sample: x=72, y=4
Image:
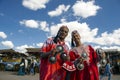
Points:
x=63, y=32
x=76, y=37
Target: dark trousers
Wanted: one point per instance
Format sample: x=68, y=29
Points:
x=67, y=75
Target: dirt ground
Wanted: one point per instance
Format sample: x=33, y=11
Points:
x=8, y=75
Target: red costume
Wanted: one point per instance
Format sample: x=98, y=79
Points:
x=90, y=71
x=54, y=71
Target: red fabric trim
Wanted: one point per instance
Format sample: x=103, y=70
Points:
x=69, y=66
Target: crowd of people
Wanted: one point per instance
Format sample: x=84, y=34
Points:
x=78, y=63
x=27, y=66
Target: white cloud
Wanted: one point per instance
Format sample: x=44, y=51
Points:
x=108, y=47
x=59, y=10
x=83, y=29
x=8, y=44
x=89, y=35
x=3, y=35
x=63, y=20
x=44, y=26
x=108, y=38
x=85, y=9
x=30, y=23
x=35, y=4
x=22, y=48
x=112, y=47
x=39, y=44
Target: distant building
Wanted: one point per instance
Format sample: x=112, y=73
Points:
x=10, y=53
x=34, y=52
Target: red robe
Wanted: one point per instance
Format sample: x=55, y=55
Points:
x=90, y=71
x=50, y=71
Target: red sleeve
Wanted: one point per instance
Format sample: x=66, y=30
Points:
x=46, y=47
x=72, y=56
x=94, y=54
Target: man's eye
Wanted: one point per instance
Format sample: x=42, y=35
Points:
x=66, y=32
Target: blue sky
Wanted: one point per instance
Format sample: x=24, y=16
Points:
x=28, y=23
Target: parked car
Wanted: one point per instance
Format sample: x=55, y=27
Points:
x=10, y=65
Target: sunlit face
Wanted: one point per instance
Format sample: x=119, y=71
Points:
x=76, y=37
x=103, y=54
x=63, y=32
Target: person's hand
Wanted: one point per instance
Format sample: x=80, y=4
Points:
x=68, y=57
x=53, y=51
x=81, y=59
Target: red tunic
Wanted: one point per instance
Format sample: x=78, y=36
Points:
x=90, y=71
x=50, y=71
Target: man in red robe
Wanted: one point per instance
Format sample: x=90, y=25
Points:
x=49, y=70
